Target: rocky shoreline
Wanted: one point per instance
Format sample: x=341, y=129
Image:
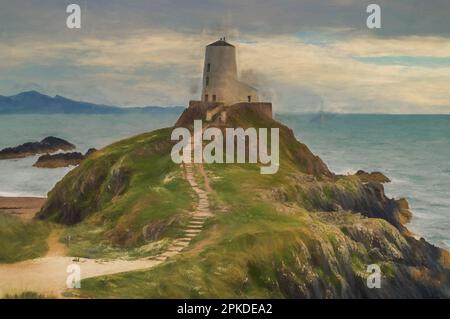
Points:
x=49, y=144
x=62, y=159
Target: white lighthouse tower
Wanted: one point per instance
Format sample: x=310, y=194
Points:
x=220, y=78
x=222, y=91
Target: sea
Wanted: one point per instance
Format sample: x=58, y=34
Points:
x=412, y=150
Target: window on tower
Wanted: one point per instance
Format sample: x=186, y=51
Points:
x=208, y=67
x=207, y=80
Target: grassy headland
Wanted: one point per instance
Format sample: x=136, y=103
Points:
x=301, y=233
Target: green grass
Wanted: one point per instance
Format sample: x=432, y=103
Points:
x=155, y=193
x=248, y=245
x=252, y=243
x=21, y=240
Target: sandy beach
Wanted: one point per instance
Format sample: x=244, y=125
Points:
x=22, y=207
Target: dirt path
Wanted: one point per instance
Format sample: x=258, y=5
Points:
x=55, y=247
x=197, y=217
x=47, y=275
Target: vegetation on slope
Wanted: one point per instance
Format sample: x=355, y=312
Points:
x=256, y=247
x=302, y=232
x=121, y=198
x=21, y=240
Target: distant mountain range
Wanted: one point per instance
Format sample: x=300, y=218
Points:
x=33, y=102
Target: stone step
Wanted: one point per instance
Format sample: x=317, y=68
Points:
x=193, y=231
x=191, y=234
x=201, y=215
x=195, y=225
x=184, y=241
x=198, y=220
x=201, y=211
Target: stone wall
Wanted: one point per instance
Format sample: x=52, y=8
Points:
x=206, y=111
x=263, y=108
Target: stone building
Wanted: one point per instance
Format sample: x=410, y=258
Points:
x=220, y=76
x=222, y=89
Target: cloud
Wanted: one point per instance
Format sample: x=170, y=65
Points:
x=431, y=46
x=347, y=84
x=331, y=67
x=116, y=18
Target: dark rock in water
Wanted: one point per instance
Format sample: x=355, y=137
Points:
x=47, y=145
x=59, y=160
x=376, y=177
x=62, y=159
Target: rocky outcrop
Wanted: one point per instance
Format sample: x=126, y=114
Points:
x=377, y=177
x=345, y=194
x=405, y=214
x=409, y=268
x=62, y=159
x=59, y=160
x=47, y=145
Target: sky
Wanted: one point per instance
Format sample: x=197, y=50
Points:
x=302, y=55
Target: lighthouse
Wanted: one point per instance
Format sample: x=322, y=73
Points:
x=222, y=92
x=220, y=76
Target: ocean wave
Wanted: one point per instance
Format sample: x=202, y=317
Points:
x=19, y=194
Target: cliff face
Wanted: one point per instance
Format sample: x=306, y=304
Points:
x=301, y=233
